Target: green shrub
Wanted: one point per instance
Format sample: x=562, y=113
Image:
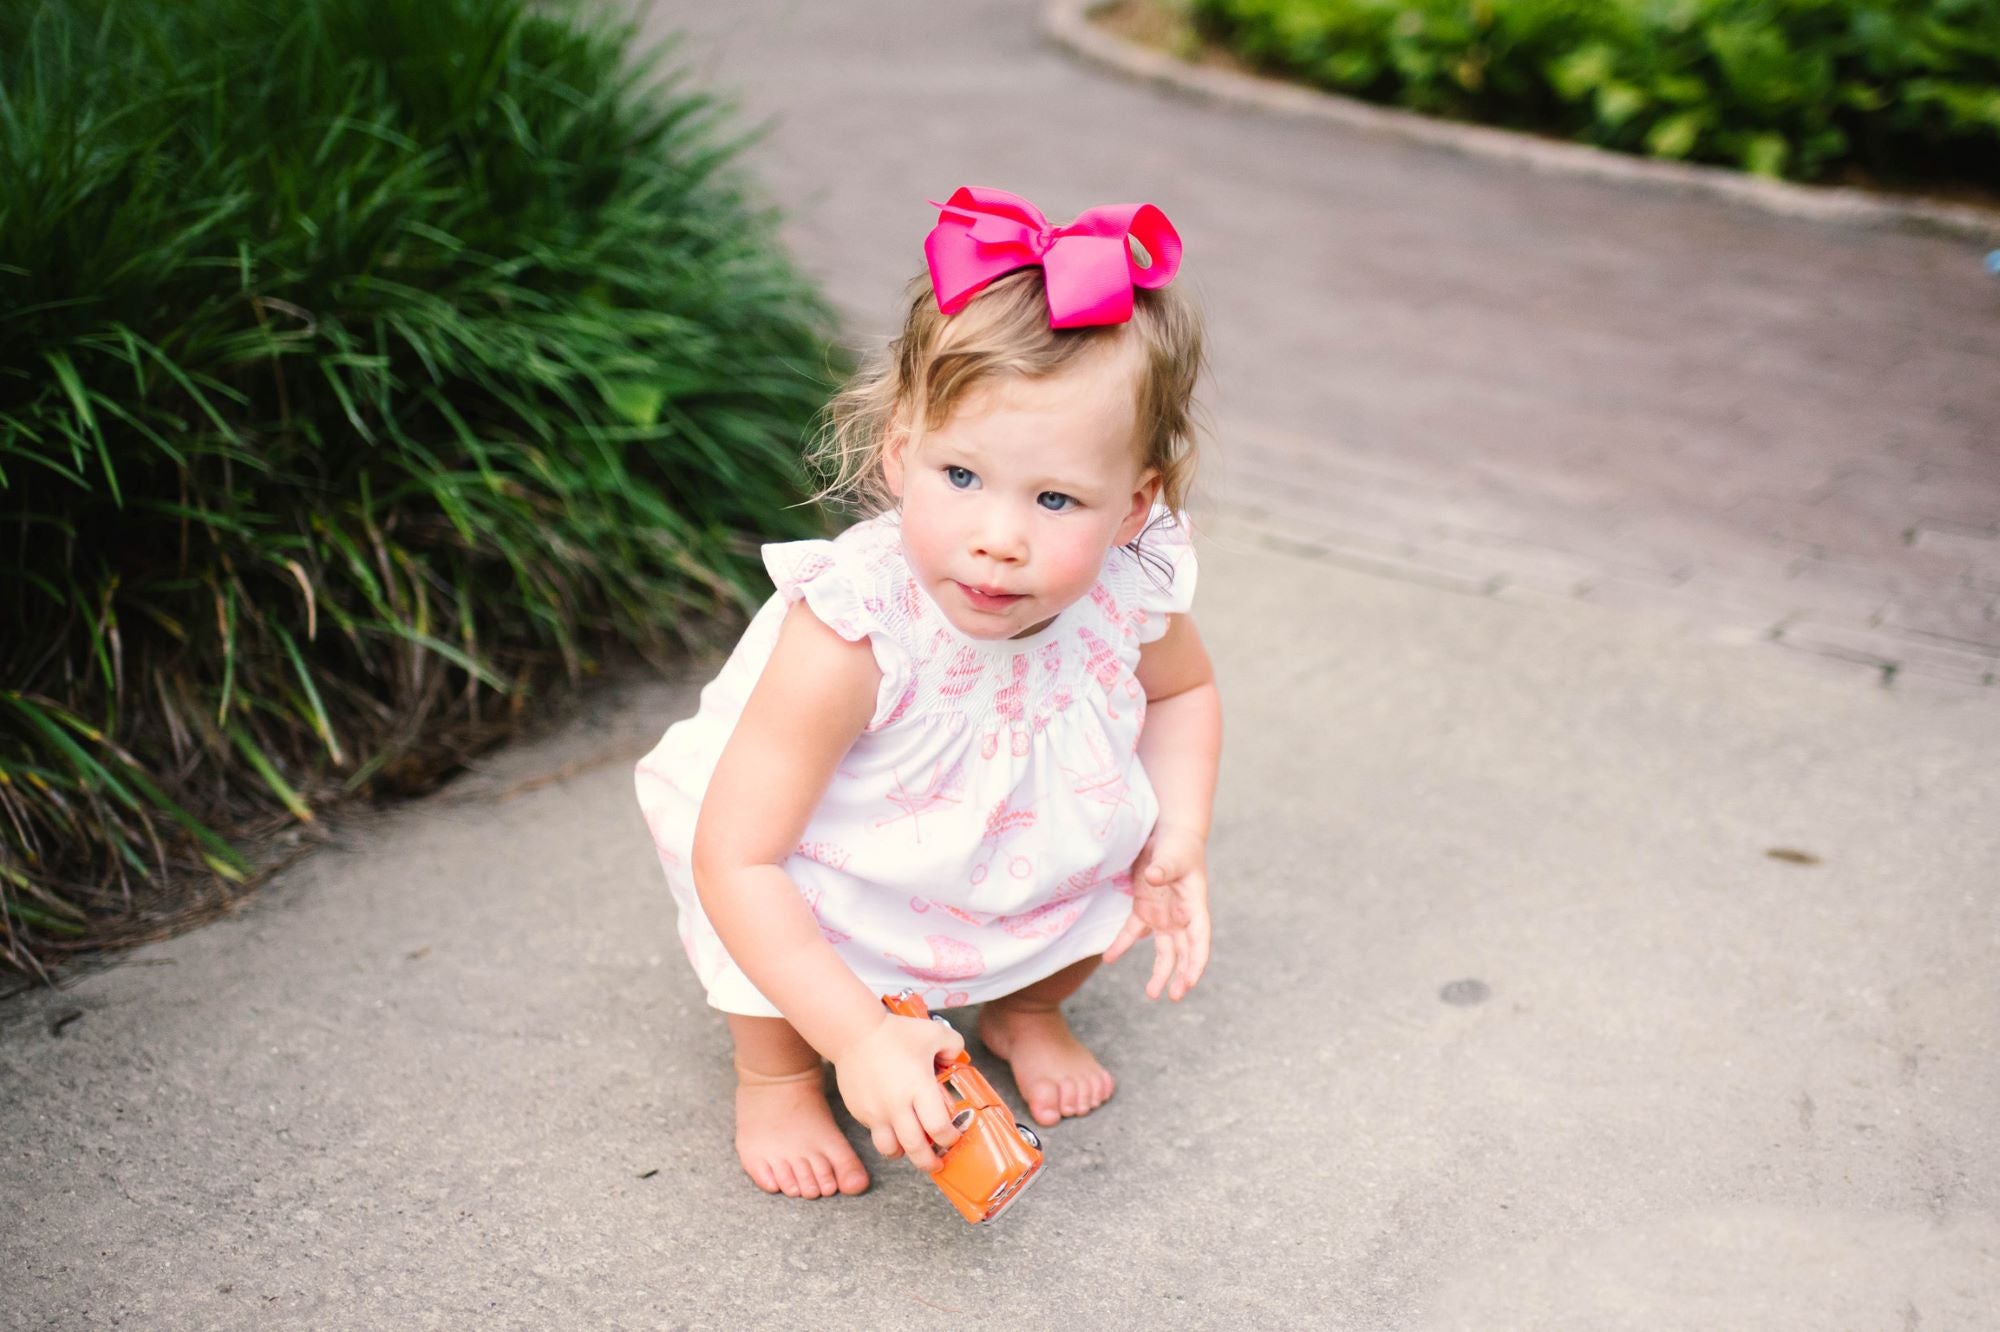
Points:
x=1904, y=89
x=364, y=365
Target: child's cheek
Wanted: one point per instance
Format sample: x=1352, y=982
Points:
x=923, y=538
x=1076, y=567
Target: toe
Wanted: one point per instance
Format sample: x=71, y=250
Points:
x=760, y=1174
x=823, y=1173
x=808, y=1178
x=849, y=1174
x=1044, y=1102
x=1069, y=1098
x=788, y=1183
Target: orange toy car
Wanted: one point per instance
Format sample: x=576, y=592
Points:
x=996, y=1158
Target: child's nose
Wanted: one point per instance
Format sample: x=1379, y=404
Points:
x=1001, y=537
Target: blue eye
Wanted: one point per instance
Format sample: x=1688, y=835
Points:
x=960, y=478
x=1055, y=501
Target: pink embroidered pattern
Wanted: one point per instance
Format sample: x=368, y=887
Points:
x=1106, y=603
x=811, y=894
x=1008, y=703
x=942, y=996
x=1061, y=911
x=1103, y=783
x=1103, y=666
x=811, y=567
x=962, y=674
x=923, y=904
x=1045, y=921
x=951, y=960
x=902, y=706
x=1002, y=822
x=945, y=787
x=825, y=853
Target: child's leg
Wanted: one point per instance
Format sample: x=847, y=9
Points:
x=785, y=1134
x=1054, y=1071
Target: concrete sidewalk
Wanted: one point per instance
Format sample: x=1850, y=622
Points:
x=452, y=1073
x=1515, y=1019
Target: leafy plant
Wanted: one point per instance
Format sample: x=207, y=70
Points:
x=365, y=367
x=1902, y=89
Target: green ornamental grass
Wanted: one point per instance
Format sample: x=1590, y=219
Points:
x=1900, y=90
x=365, y=366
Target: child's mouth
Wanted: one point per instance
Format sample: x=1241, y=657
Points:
x=983, y=599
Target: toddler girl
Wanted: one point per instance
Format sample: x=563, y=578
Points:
x=924, y=763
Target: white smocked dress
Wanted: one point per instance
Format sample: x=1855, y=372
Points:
x=980, y=833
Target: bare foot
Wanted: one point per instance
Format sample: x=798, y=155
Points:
x=1051, y=1067
x=788, y=1142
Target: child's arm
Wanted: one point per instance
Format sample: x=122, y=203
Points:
x=1180, y=749
x=816, y=694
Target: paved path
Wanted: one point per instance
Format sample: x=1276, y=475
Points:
x=451, y=1073
x=1450, y=369
x=1573, y=972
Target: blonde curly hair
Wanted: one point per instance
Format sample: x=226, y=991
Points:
x=1004, y=330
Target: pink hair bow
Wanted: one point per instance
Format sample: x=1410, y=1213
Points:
x=1088, y=265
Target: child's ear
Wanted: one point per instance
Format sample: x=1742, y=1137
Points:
x=1143, y=500
x=896, y=440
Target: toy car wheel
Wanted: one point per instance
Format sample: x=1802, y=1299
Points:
x=1028, y=1135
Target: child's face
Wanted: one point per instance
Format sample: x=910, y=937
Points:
x=1009, y=508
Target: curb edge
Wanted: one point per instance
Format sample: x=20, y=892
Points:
x=1067, y=24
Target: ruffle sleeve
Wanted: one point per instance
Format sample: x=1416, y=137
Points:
x=1157, y=579
x=837, y=581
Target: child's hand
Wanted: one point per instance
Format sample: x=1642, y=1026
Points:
x=888, y=1080
x=1169, y=902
